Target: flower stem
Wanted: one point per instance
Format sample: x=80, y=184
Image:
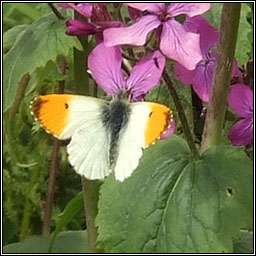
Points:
x=90, y=188
x=222, y=74
x=183, y=119
x=91, y=196
x=56, y=12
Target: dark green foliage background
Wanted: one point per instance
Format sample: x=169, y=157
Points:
x=172, y=203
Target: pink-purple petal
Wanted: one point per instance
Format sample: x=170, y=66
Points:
x=150, y=7
x=240, y=99
x=169, y=131
x=65, y=5
x=200, y=78
x=84, y=9
x=209, y=35
x=146, y=74
x=101, y=26
x=184, y=75
x=190, y=9
x=104, y=64
x=79, y=28
x=241, y=133
x=235, y=69
x=180, y=45
x=134, y=14
x=135, y=34
x=202, y=81
x=100, y=13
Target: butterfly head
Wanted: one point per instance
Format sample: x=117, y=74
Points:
x=124, y=95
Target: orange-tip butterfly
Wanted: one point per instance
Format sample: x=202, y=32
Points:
x=105, y=136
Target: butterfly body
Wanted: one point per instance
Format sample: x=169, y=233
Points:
x=115, y=117
x=106, y=136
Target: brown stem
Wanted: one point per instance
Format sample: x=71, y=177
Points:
x=182, y=116
x=51, y=184
x=54, y=166
x=95, y=90
x=218, y=102
x=56, y=12
x=129, y=57
x=19, y=96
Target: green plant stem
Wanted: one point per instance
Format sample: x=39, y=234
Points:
x=90, y=188
x=181, y=112
x=218, y=103
x=80, y=63
x=91, y=197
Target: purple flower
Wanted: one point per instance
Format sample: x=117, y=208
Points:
x=105, y=63
x=100, y=20
x=78, y=28
x=175, y=41
x=201, y=77
x=84, y=9
x=241, y=101
x=169, y=131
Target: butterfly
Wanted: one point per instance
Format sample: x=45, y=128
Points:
x=105, y=136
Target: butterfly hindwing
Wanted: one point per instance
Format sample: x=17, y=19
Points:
x=88, y=150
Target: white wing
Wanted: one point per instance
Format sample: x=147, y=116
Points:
x=132, y=141
x=83, y=111
x=88, y=149
x=79, y=118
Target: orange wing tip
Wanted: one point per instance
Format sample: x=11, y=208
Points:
x=51, y=112
x=162, y=124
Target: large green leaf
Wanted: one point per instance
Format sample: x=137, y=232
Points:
x=66, y=242
x=40, y=42
x=245, y=244
x=175, y=204
x=10, y=36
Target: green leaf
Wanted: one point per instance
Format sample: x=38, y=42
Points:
x=66, y=242
x=243, y=45
x=70, y=211
x=71, y=242
x=27, y=9
x=214, y=14
x=34, y=244
x=42, y=41
x=10, y=36
x=175, y=204
x=10, y=229
x=245, y=244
